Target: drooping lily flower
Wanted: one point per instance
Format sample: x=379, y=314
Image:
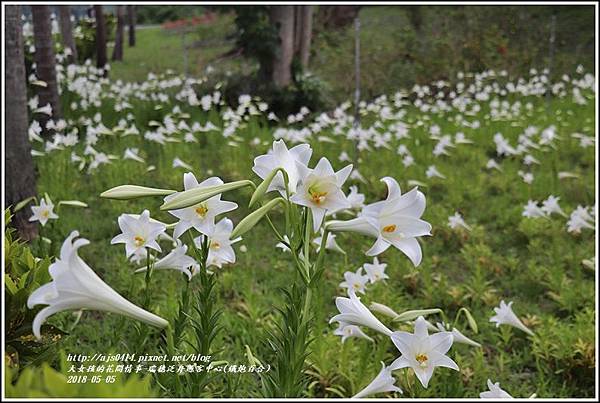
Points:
x=506, y=316
x=423, y=352
x=550, y=206
x=320, y=190
x=354, y=312
x=200, y=216
x=280, y=157
x=75, y=286
x=177, y=259
x=383, y=382
x=456, y=220
x=457, y=335
x=346, y=331
x=138, y=233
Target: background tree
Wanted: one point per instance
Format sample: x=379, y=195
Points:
x=100, y=37
x=283, y=18
x=131, y=17
x=20, y=175
x=66, y=31
x=45, y=61
x=305, y=33
x=120, y=31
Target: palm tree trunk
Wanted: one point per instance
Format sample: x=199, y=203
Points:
x=118, y=49
x=45, y=61
x=283, y=18
x=66, y=31
x=131, y=22
x=20, y=175
x=100, y=37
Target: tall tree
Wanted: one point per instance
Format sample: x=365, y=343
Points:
x=131, y=17
x=100, y=37
x=118, y=49
x=283, y=18
x=20, y=174
x=45, y=61
x=306, y=24
x=66, y=31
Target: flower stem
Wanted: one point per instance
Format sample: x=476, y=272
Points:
x=147, y=280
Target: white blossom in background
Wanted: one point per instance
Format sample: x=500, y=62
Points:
x=383, y=382
x=551, y=206
x=456, y=220
x=375, y=271
x=494, y=392
x=532, y=210
x=355, y=281
x=506, y=316
x=346, y=331
x=433, y=172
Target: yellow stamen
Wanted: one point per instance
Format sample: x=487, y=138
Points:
x=138, y=240
x=215, y=245
x=45, y=214
x=316, y=196
x=389, y=228
x=422, y=359
x=201, y=211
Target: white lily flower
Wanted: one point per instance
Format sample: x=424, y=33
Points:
x=175, y=260
x=202, y=215
x=383, y=382
x=75, y=286
x=423, y=352
x=138, y=233
x=433, y=172
x=220, y=250
x=495, y=392
x=376, y=270
x=46, y=110
x=133, y=154
x=354, y=312
x=356, y=200
x=456, y=220
x=506, y=316
x=397, y=222
x=320, y=190
x=355, y=281
x=330, y=245
x=43, y=212
x=179, y=163
x=280, y=157
x=492, y=164
x=550, y=205
x=532, y=210
x=346, y=331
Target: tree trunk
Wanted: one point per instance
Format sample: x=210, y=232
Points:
x=66, y=31
x=306, y=34
x=283, y=18
x=118, y=49
x=131, y=22
x=20, y=175
x=335, y=17
x=45, y=62
x=100, y=37
x=297, y=28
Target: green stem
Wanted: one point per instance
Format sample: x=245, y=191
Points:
x=147, y=280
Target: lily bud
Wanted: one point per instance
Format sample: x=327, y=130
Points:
x=198, y=195
x=264, y=186
x=410, y=315
x=252, y=219
x=126, y=192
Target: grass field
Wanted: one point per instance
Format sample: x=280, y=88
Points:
x=534, y=262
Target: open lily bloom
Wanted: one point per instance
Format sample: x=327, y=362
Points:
x=320, y=190
x=383, y=382
x=354, y=312
x=43, y=212
x=138, y=233
x=397, y=221
x=75, y=286
x=220, y=251
x=423, y=352
x=355, y=280
x=281, y=157
x=202, y=215
x=495, y=392
x=175, y=260
x=376, y=270
x=506, y=316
